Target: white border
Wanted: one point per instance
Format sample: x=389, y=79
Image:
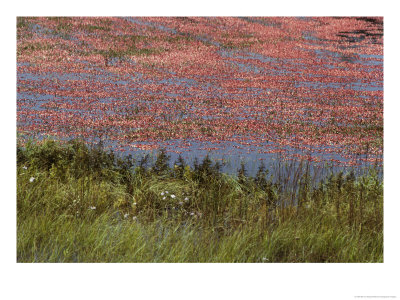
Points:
x=196, y=281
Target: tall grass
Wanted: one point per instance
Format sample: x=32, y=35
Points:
x=82, y=204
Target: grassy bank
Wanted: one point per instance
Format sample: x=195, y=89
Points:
x=80, y=204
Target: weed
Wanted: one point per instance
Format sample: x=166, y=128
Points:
x=85, y=204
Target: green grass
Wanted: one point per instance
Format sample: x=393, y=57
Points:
x=81, y=204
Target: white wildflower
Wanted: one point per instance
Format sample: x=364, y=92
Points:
x=92, y=207
x=134, y=203
x=134, y=218
x=163, y=198
x=25, y=167
x=126, y=216
x=166, y=192
x=186, y=199
x=162, y=193
x=31, y=179
x=265, y=259
x=180, y=203
x=173, y=196
x=192, y=214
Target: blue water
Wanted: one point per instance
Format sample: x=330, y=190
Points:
x=244, y=60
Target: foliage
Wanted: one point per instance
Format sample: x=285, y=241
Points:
x=82, y=204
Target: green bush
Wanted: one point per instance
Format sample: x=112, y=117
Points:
x=80, y=203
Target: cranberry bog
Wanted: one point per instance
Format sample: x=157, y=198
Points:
x=241, y=89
